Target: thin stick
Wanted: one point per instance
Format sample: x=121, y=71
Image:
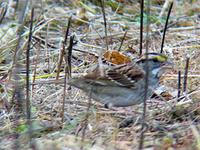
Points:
x=122, y=41
x=67, y=72
x=28, y=104
x=141, y=24
x=47, y=51
x=105, y=24
x=3, y=10
x=146, y=78
x=186, y=75
x=28, y=66
x=62, y=51
x=15, y=72
x=165, y=29
x=179, y=84
x=70, y=56
x=36, y=64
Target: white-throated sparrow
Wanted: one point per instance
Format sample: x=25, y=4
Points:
x=122, y=85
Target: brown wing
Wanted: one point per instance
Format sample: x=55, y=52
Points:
x=96, y=72
x=125, y=75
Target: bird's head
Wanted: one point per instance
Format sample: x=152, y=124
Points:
x=157, y=63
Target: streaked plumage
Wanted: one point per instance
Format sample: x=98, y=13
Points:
x=121, y=85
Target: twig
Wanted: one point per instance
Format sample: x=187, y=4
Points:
x=179, y=29
x=105, y=24
x=179, y=84
x=3, y=10
x=18, y=94
x=47, y=51
x=141, y=24
x=122, y=41
x=36, y=64
x=165, y=29
x=146, y=79
x=67, y=72
x=28, y=104
x=185, y=75
x=63, y=50
x=70, y=56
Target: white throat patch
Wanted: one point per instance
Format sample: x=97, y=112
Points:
x=155, y=71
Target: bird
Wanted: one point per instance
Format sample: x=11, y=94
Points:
x=122, y=85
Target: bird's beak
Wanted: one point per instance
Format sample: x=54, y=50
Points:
x=165, y=68
x=167, y=65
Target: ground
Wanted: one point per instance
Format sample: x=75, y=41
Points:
x=171, y=124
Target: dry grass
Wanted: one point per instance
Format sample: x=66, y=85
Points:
x=172, y=124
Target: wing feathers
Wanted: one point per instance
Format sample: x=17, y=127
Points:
x=125, y=75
